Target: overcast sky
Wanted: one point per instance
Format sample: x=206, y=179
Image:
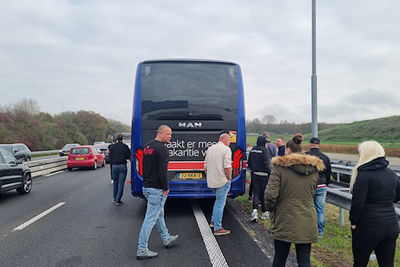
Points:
x=82, y=55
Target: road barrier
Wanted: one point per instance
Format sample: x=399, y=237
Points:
x=47, y=166
x=341, y=197
x=44, y=152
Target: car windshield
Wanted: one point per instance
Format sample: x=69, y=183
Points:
x=6, y=147
x=80, y=151
x=69, y=146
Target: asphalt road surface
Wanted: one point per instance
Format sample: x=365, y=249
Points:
x=69, y=220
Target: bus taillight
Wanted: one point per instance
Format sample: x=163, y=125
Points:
x=237, y=162
x=139, y=161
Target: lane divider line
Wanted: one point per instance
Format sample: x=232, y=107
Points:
x=213, y=249
x=54, y=173
x=41, y=215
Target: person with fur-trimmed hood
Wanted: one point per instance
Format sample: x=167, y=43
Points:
x=290, y=201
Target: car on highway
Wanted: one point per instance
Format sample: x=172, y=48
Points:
x=85, y=156
x=65, y=150
x=103, y=149
x=14, y=174
x=98, y=143
x=20, y=151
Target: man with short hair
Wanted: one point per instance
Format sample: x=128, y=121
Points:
x=323, y=181
x=280, y=143
x=218, y=169
x=119, y=153
x=155, y=189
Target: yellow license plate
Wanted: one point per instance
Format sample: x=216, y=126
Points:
x=191, y=175
x=79, y=158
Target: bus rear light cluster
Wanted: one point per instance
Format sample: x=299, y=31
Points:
x=139, y=161
x=237, y=162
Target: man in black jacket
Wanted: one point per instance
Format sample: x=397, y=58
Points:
x=119, y=153
x=323, y=181
x=155, y=189
x=259, y=164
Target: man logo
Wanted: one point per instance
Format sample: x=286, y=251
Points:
x=189, y=124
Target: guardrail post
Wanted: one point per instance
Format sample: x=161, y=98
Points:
x=338, y=176
x=341, y=216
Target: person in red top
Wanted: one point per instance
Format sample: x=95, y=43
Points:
x=155, y=189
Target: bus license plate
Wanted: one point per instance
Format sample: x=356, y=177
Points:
x=79, y=158
x=190, y=175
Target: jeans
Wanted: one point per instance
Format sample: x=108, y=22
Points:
x=260, y=183
x=380, y=238
x=319, y=203
x=119, y=176
x=219, y=204
x=154, y=215
x=282, y=248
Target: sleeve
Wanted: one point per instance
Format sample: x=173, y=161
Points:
x=273, y=188
x=328, y=171
x=397, y=198
x=250, y=161
x=267, y=161
x=127, y=153
x=360, y=191
x=227, y=158
x=163, y=167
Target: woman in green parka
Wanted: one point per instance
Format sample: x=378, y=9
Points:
x=290, y=201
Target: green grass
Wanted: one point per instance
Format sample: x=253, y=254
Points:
x=44, y=155
x=334, y=249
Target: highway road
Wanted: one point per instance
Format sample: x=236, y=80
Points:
x=69, y=220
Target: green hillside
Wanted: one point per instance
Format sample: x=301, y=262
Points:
x=385, y=130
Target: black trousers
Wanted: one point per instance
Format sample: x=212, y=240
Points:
x=303, y=252
x=259, y=185
x=381, y=239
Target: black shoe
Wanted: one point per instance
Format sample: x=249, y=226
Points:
x=118, y=203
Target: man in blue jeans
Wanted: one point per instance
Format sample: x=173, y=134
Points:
x=323, y=181
x=155, y=189
x=119, y=153
x=218, y=170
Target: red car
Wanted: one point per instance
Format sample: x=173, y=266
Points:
x=85, y=156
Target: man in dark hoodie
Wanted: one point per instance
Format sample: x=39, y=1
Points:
x=259, y=164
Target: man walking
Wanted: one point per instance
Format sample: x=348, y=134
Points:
x=155, y=189
x=323, y=181
x=258, y=163
x=119, y=153
x=218, y=170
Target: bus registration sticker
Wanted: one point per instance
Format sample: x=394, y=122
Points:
x=190, y=175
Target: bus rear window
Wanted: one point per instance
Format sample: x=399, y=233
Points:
x=189, y=90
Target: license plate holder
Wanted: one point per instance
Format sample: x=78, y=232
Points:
x=190, y=175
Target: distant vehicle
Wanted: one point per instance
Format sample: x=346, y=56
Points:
x=85, y=156
x=20, y=151
x=13, y=174
x=98, y=143
x=65, y=150
x=103, y=149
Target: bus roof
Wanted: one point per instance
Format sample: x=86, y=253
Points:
x=188, y=61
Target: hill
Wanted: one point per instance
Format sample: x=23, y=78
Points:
x=385, y=130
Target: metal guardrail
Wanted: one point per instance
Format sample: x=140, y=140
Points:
x=44, y=152
x=341, y=197
x=46, y=166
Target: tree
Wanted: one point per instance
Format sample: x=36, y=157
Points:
x=269, y=119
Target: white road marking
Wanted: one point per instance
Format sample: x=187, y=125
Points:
x=213, y=249
x=34, y=219
x=54, y=173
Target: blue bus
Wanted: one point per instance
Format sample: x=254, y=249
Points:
x=199, y=100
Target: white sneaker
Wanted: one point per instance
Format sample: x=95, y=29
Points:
x=254, y=216
x=265, y=215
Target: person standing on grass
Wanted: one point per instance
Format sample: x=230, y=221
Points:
x=218, y=169
x=156, y=190
x=119, y=154
x=280, y=143
x=323, y=181
x=258, y=162
x=289, y=198
x=374, y=224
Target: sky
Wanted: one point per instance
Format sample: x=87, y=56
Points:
x=82, y=55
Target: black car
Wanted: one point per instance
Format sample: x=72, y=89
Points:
x=13, y=174
x=103, y=149
x=65, y=150
x=20, y=151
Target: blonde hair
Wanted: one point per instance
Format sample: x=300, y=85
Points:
x=368, y=151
